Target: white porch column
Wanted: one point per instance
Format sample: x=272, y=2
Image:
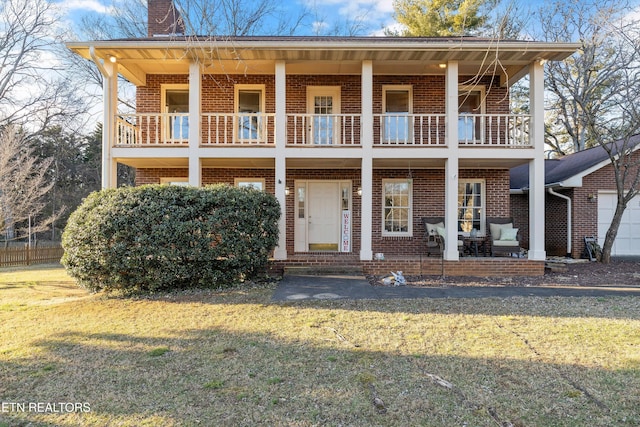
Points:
x=281, y=160
x=451, y=164
x=366, y=168
x=536, y=166
x=110, y=95
x=195, y=124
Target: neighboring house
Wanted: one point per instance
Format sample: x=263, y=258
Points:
x=357, y=137
x=580, y=202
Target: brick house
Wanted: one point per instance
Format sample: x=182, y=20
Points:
x=580, y=202
x=357, y=137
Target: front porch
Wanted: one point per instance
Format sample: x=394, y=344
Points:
x=414, y=265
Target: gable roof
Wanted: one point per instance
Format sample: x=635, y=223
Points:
x=569, y=170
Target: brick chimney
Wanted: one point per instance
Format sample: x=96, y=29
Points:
x=163, y=18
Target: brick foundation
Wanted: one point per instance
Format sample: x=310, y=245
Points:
x=430, y=266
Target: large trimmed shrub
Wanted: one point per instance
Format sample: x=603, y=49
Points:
x=162, y=237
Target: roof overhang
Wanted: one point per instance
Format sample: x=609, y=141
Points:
x=509, y=60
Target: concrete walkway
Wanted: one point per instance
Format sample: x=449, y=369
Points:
x=296, y=288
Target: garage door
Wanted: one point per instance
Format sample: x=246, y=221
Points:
x=628, y=238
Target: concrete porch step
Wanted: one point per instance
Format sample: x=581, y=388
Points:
x=323, y=270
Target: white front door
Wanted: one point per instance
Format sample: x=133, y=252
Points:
x=324, y=216
x=323, y=107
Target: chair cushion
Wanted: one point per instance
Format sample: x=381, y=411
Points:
x=431, y=228
x=441, y=231
x=508, y=234
x=496, y=229
x=506, y=243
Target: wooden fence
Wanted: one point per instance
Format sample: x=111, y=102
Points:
x=16, y=256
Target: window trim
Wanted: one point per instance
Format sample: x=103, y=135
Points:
x=172, y=180
x=237, y=181
x=409, y=232
x=388, y=88
x=237, y=115
x=483, y=205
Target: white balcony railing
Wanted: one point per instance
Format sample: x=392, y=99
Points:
x=238, y=129
x=426, y=130
x=152, y=129
x=173, y=129
x=323, y=130
x=410, y=129
x=507, y=130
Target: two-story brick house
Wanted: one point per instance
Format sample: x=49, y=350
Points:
x=357, y=137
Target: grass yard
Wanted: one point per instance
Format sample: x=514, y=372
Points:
x=236, y=359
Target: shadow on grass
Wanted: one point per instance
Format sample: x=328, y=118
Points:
x=211, y=376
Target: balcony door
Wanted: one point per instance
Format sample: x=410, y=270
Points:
x=176, y=109
x=471, y=109
x=323, y=108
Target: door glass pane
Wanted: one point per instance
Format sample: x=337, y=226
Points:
x=249, y=103
x=322, y=120
x=468, y=121
x=177, y=105
x=396, y=122
x=301, y=200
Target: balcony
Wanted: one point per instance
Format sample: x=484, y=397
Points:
x=332, y=130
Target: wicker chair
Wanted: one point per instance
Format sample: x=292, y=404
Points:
x=503, y=236
x=433, y=239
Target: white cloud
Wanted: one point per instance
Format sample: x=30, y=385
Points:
x=86, y=5
x=376, y=13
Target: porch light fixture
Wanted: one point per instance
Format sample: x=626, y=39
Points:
x=286, y=191
x=591, y=197
x=112, y=59
x=442, y=65
x=359, y=191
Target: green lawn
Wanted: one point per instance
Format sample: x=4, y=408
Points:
x=235, y=358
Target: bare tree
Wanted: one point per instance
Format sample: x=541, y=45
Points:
x=587, y=84
x=23, y=185
x=34, y=90
x=595, y=92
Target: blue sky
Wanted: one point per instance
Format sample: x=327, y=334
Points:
x=374, y=14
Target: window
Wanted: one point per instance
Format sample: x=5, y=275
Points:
x=175, y=181
x=396, y=209
x=471, y=110
x=397, y=102
x=257, y=183
x=176, y=106
x=471, y=211
x=249, y=106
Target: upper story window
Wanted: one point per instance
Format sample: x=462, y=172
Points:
x=397, y=105
x=471, y=107
x=471, y=206
x=397, y=207
x=249, y=101
x=175, y=98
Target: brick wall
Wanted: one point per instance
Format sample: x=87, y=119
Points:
x=428, y=197
x=584, y=213
x=163, y=18
x=413, y=266
x=218, y=92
